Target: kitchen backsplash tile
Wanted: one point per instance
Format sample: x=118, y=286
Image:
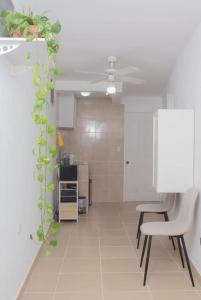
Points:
x=98, y=140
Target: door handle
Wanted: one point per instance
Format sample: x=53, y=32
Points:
x=127, y=162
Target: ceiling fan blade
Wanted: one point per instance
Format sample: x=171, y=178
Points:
x=92, y=73
x=127, y=70
x=133, y=80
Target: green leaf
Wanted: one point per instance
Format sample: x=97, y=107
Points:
x=41, y=141
x=34, y=152
x=51, y=85
x=53, y=151
x=4, y=13
x=53, y=46
x=35, y=69
x=51, y=129
x=39, y=104
x=49, y=220
x=36, y=118
x=40, y=205
x=30, y=38
x=39, y=166
x=53, y=243
x=57, y=71
x=56, y=27
x=48, y=253
x=44, y=119
x=55, y=227
x=40, y=178
x=40, y=233
x=37, y=80
x=46, y=160
x=49, y=208
x=50, y=187
x=42, y=93
x=43, y=160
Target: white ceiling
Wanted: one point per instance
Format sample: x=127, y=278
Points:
x=148, y=34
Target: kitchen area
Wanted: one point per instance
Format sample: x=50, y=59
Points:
x=90, y=141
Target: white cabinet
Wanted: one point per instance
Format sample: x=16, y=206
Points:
x=66, y=110
x=173, y=150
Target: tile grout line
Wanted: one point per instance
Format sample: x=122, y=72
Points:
x=63, y=258
x=101, y=272
x=130, y=241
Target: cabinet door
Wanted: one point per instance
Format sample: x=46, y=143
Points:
x=155, y=150
x=175, y=150
x=66, y=109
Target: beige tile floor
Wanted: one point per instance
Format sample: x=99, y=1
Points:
x=97, y=259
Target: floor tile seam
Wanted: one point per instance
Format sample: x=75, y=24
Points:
x=166, y=272
x=101, y=273
x=165, y=291
x=174, y=290
x=120, y=273
x=63, y=258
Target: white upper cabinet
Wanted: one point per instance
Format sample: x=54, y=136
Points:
x=173, y=155
x=66, y=110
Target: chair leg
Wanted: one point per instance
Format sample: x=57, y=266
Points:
x=180, y=252
x=170, y=237
x=147, y=259
x=173, y=244
x=139, y=235
x=143, y=250
x=187, y=260
x=138, y=228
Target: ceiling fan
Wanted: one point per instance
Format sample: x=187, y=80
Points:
x=112, y=75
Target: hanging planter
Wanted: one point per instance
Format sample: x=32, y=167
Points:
x=31, y=27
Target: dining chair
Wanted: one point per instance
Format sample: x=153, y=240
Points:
x=159, y=208
x=175, y=228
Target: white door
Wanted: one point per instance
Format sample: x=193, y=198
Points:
x=138, y=157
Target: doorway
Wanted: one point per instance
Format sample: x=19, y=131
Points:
x=138, y=157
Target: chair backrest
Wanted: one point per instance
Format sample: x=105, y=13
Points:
x=186, y=208
x=167, y=201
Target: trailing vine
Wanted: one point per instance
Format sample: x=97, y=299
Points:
x=31, y=27
x=44, y=152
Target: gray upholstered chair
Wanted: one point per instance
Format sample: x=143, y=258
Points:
x=159, y=208
x=176, y=228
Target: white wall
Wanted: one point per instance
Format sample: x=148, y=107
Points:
x=185, y=86
x=18, y=189
x=142, y=104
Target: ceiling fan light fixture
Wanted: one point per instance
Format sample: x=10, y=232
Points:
x=85, y=94
x=111, y=89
